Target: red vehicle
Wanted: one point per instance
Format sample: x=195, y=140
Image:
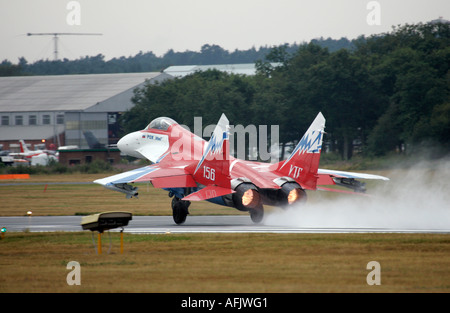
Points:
x=191, y=169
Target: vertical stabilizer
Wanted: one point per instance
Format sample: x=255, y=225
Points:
x=92, y=140
x=214, y=166
x=303, y=163
x=23, y=147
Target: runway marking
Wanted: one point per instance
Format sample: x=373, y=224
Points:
x=194, y=224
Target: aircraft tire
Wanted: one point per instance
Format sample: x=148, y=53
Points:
x=179, y=210
x=257, y=215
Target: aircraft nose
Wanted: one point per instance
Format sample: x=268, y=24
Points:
x=125, y=144
x=121, y=144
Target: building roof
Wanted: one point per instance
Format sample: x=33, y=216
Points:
x=243, y=69
x=440, y=20
x=65, y=92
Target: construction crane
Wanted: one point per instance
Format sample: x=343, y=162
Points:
x=55, y=38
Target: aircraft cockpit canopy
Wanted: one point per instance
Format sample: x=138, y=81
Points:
x=161, y=123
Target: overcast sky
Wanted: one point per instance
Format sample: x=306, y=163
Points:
x=130, y=26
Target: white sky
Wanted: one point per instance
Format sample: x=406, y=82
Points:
x=130, y=26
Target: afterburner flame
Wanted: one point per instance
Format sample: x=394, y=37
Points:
x=250, y=198
x=293, y=196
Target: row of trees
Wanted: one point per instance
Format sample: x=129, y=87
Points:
x=391, y=92
x=149, y=62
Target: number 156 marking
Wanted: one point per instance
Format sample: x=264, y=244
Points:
x=209, y=173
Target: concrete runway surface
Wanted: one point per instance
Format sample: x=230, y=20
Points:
x=193, y=224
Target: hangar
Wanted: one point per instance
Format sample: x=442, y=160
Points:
x=60, y=109
x=240, y=69
x=63, y=110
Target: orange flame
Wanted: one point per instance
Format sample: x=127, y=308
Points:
x=293, y=196
x=250, y=198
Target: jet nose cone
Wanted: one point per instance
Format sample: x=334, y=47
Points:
x=121, y=144
x=124, y=144
x=128, y=144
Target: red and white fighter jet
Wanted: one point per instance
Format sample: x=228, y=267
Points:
x=192, y=169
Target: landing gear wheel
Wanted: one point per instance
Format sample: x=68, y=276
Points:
x=180, y=210
x=257, y=215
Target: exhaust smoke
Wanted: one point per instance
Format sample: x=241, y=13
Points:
x=417, y=198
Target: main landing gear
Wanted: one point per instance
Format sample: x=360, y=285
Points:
x=257, y=214
x=180, y=210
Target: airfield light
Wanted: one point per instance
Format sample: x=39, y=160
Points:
x=106, y=221
x=3, y=231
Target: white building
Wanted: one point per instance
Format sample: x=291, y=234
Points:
x=60, y=108
x=241, y=69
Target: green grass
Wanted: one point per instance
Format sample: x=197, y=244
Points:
x=36, y=262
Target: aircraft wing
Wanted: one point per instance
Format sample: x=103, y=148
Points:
x=345, y=179
x=160, y=177
x=324, y=177
x=343, y=174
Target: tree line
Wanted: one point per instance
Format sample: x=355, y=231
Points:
x=149, y=62
x=388, y=93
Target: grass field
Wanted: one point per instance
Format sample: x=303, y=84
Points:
x=36, y=262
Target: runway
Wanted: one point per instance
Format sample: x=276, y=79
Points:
x=193, y=224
